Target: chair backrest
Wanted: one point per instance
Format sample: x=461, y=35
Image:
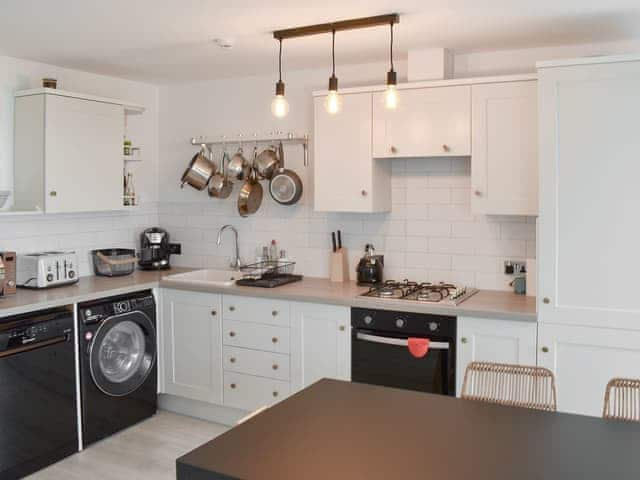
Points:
x=512, y=385
x=622, y=400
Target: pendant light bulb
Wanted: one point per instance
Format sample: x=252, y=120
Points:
x=280, y=105
x=333, y=102
x=391, y=93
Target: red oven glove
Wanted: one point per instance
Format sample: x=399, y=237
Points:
x=418, y=347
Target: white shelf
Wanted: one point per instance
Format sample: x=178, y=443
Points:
x=129, y=108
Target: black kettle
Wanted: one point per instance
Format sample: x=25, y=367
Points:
x=370, y=267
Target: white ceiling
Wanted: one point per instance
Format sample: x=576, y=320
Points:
x=165, y=41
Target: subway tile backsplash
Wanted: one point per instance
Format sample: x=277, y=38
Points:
x=429, y=235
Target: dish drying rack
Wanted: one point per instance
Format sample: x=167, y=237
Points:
x=267, y=269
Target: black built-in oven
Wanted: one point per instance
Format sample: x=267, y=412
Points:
x=404, y=350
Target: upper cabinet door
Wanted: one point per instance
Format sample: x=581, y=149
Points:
x=504, y=165
x=588, y=232
x=346, y=178
x=428, y=122
x=83, y=155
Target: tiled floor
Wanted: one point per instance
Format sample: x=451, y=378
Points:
x=145, y=451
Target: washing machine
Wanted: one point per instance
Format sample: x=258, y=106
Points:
x=118, y=373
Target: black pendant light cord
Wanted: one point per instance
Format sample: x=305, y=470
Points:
x=391, y=48
x=280, y=62
x=333, y=53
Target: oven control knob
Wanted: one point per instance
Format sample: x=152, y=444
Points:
x=433, y=326
x=400, y=322
x=368, y=319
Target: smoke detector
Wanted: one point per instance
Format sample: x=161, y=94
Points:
x=224, y=43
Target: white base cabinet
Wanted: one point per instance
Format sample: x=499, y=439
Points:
x=320, y=343
x=489, y=340
x=191, y=351
x=584, y=359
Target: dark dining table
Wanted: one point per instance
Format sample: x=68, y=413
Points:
x=343, y=430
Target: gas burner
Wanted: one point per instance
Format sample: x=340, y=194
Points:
x=425, y=292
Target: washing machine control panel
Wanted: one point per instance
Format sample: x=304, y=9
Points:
x=122, y=307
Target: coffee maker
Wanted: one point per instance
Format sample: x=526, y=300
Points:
x=156, y=250
x=370, y=267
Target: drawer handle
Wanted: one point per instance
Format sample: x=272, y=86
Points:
x=363, y=193
x=232, y=308
x=546, y=300
x=464, y=340
x=275, y=366
x=545, y=349
x=275, y=394
x=232, y=334
x=233, y=385
x=53, y=193
x=393, y=149
x=446, y=148
x=274, y=313
x=477, y=193
x=232, y=359
x=342, y=328
x=274, y=340
x=213, y=313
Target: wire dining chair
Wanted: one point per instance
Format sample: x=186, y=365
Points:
x=510, y=385
x=622, y=400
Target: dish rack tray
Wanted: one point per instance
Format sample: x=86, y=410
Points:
x=267, y=269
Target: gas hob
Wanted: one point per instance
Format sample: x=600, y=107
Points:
x=425, y=292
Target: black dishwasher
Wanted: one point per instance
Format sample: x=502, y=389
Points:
x=37, y=391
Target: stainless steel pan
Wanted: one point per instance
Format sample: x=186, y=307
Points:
x=238, y=166
x=199, y=171
x=250, y=197
x=285, y=186
x=266, y=163
x=220, y=186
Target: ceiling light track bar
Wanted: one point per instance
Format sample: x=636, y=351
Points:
x=352, y=24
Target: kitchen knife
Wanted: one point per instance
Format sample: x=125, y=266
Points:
x=339, y=240
x=333, y=241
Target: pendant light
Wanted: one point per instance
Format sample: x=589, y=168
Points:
x=391, y=93
x=333, y=102
x=279, y=105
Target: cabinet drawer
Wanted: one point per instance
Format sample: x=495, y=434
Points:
x=256, y=310
x=250, y=393
x=256, y=336
x=255, y=362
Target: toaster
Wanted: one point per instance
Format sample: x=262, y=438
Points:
x=7, y=273
x=47, y=269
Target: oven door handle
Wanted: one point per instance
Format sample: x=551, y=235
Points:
x=401, y=342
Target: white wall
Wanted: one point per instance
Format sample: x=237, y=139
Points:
x=430, y=234
x=80, y=232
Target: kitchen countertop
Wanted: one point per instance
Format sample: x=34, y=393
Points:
x=486, y=303
x=342, y=430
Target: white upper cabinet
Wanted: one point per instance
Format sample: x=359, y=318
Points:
x=346, y=177
x=504, y=162
x=68, y=153
x=588, y=230
x=428, y=122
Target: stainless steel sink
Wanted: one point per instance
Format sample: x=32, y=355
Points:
x=221, y=278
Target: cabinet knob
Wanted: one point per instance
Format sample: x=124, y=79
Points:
x=274, y=313
x=232, y=308
x=275, y=394
x=342, y=328
x=274, y=340
x=232, y=359
x=477, y=193
x=464, y=340
x=364, y=193
x=233, y=385
x=274, y=366
x=213, y=313
x=546, y=300
x=53, y=193
x=232, y=334
x=545, y=349
x=393, y=149
x=446, y=148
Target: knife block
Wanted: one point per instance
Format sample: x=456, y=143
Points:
x=339, y=266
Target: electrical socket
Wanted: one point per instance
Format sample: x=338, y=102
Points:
x=514, y=267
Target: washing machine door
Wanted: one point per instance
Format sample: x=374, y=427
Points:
x=122, y=353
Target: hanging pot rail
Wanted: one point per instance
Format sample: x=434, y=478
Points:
x=290, y=139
